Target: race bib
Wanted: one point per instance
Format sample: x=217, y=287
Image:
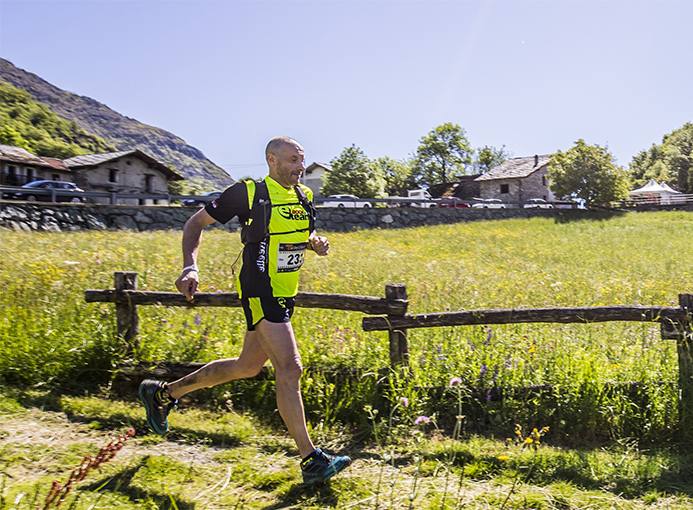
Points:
x=290, y=257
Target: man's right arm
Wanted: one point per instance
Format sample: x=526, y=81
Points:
x=192, y=238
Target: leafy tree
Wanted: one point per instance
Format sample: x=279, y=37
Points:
x=398, y=176
x=671, y=162
x=489, y=157
x=587, y=172
x=442, y=155
x=353, y=173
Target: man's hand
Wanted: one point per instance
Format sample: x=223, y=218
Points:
x=319, y=244
x=187, y=283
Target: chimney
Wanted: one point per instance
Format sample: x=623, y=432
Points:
x=536, y=159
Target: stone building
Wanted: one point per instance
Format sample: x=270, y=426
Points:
x=131, y=172
x=313, y=175
x=517, y=180
x=18, y=167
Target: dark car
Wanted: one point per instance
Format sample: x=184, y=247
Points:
x=453, y=202
x=43, y=191
x=203, y=199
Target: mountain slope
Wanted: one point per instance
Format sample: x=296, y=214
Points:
x=122, y=132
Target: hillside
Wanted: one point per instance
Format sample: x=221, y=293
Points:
x=118, y=130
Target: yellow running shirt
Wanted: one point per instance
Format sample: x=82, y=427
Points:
x=270, y=267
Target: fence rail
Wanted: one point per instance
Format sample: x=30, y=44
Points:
x=390, y=315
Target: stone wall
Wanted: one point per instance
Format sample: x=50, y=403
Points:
x=32, y=216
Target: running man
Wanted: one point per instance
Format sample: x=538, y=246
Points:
x=273, y=253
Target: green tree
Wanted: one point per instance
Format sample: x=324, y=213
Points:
x=671, y=162
x=587, y=172
x=442, y=155
x=487, y=158
x=398, y=176
x=353, y=173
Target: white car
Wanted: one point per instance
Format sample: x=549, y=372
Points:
x=537, y=203
x=490, y=203
x=345, y=201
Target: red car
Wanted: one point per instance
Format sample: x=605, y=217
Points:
x=455, y=202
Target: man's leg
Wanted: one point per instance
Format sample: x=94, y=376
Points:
x=278, y=342
x=248, y=364
x=159, y=398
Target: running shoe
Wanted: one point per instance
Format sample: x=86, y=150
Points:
x=152, y=396
x=319, y=467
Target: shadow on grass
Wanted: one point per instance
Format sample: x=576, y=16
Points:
x=596, y=215
x=658, y=470
x=322, y=494
x=122, y=484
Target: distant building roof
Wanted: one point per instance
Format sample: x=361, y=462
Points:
x=315, y=166
x=516, y=168
x=97, y=159
x=22, y=156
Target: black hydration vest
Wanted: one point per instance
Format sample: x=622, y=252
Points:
x=256, y=228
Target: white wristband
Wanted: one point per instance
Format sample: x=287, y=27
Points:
x=192, y=267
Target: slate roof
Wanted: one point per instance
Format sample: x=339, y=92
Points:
x=22, y=156
x=516, y=168
x=96, y=159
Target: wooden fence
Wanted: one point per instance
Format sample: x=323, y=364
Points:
x=390, y=314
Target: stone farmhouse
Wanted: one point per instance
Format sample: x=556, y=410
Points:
x=18, y=167
x=131, y=172
x=313, y=175
x=517, y=180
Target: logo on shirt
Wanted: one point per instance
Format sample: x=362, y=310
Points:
x=214, y=204
x=293, y=213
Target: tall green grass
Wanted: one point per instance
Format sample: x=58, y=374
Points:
x=50, y=337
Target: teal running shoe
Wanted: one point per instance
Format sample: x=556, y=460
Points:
x=319, y=467
x=152, y=396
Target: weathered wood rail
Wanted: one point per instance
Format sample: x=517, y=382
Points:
x=675, y=322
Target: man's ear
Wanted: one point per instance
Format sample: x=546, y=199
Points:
x=271, y=159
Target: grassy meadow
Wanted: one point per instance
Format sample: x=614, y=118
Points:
x=61, y=355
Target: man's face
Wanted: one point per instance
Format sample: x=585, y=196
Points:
x=287, y=164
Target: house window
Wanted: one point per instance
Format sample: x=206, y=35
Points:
x=505, y=188
x=29, y=174
x=112, y=175
x=543, y=180
x=56, y=177
x=148, y=183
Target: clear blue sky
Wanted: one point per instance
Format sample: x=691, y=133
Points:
x=226, y=76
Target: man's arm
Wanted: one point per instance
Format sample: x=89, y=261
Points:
x=192, y=238
x=318, y=244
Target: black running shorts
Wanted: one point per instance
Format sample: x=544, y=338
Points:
x=272, y=309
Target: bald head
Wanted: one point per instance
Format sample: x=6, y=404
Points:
x=276, y=144
x=285, y=158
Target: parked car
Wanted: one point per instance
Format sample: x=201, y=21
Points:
x=202, y=199
x=490, y=203
x=537, y=203
x=453, y=202
x=42, y=191
x=345, y=201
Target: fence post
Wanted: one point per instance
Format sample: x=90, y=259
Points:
x=684, y=346
x=399, y=349
x=127, y=320
x=681, y=332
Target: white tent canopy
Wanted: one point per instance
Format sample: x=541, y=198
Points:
x=653, y=190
